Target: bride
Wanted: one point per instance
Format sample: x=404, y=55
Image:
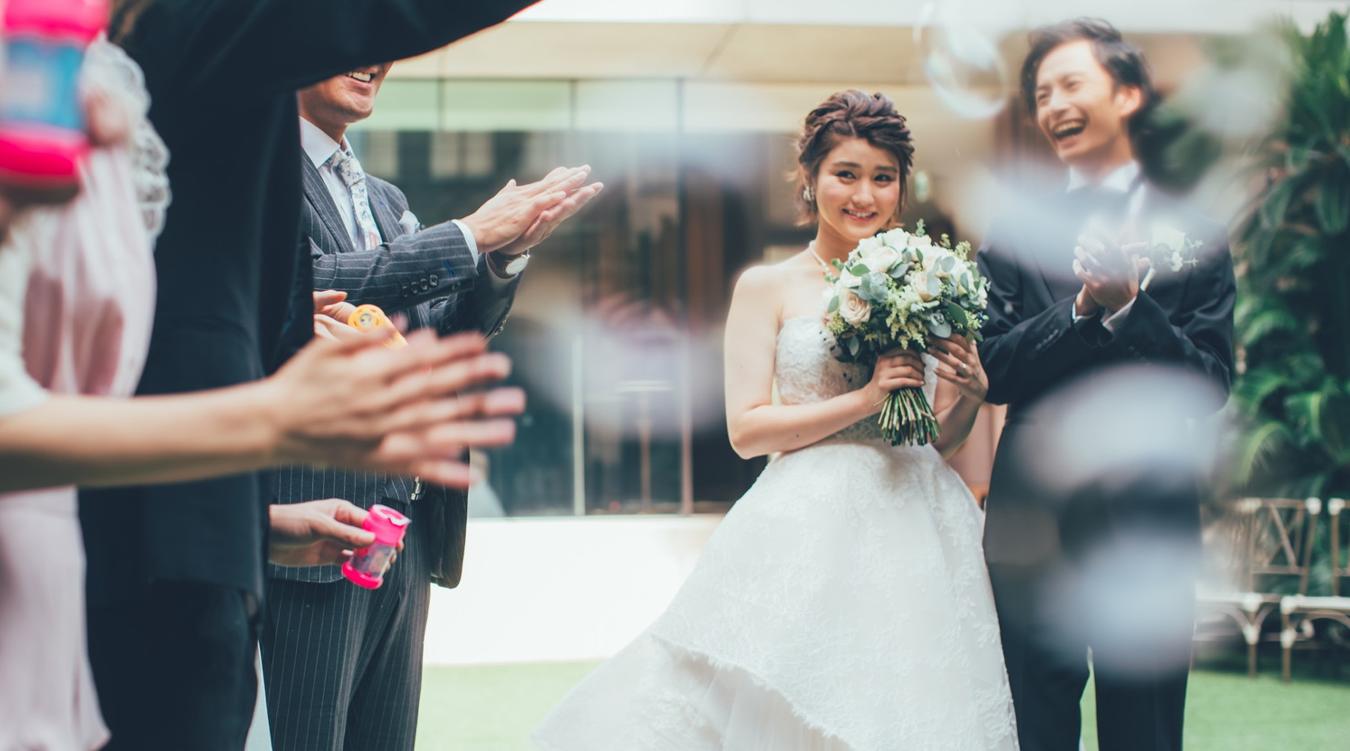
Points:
x=843, y=602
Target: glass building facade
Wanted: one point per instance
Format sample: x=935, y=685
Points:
x=616, y=333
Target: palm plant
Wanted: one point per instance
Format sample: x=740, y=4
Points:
x=1293, y=258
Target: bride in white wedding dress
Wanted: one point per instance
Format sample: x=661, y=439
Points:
x=843, y=602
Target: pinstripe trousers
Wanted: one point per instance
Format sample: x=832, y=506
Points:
x=342, y=664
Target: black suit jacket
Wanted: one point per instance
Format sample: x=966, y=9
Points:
x=222, y=77
x=1032, y=346
x=398, y=274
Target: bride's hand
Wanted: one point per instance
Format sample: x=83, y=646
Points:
x=894, y=370
x=959, y=363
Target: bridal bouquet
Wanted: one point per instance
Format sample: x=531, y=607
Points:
x=895, y=290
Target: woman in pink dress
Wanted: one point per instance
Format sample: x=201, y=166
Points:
x=77, y=303
x=76, y=310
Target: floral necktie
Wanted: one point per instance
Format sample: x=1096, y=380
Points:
x=349, y=169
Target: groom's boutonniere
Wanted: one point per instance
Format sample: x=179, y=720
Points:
x=1167, y=248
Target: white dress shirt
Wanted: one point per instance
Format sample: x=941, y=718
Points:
x=319, y=148
x=1124, y=180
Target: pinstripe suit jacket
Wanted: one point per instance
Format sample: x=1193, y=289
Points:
x=430, y=276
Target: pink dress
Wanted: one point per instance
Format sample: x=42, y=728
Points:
x=77, y=289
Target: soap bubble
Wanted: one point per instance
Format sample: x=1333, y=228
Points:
x=958, y=43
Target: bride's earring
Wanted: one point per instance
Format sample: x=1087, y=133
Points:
x=809, y=195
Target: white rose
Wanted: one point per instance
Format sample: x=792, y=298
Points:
x=896, y=238
x=880, y=259
x=854, y=310
x=927, y=287
x=941, y=263
x=868, y=243
x=848, y=281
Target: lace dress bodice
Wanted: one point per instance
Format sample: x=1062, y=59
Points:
x=806, y=372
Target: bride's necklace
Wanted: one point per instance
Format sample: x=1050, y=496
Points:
x=812, y=250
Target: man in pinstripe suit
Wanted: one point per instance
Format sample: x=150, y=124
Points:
x=343, y=665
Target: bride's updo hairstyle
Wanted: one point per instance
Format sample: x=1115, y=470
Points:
x=849, y=114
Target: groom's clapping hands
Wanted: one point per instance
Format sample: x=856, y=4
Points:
x=1109, y=274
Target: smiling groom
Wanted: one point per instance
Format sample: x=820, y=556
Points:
x=1058, y=315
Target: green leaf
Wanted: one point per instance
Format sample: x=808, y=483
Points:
x=1276, y=204
x=1333, y=204
x=956, y=315
x=854, y=346
x=1256, y=386
x=1335, y=424
x=1256, y=449
x=1267, y=322
x=1306, y=410
x=834, y=304
x=859, y=270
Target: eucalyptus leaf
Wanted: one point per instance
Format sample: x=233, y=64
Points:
x=938, y=326
x=957, y=315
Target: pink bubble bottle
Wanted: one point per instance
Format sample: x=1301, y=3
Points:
x=367, y=566
x=42, y=128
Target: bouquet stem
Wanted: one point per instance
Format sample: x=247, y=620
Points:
x=906, y=418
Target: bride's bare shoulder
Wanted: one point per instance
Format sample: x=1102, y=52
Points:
x=772, y=277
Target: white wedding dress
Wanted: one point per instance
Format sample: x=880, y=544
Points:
x=842, y=604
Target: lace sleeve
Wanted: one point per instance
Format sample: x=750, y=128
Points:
x=112, y=73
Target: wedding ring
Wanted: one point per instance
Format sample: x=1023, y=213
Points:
x=961, y=371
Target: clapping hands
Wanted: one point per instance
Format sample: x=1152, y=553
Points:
x=350, y=401
x=1109, y=272
x=521, y=216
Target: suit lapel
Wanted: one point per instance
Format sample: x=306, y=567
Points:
x=384, y=212
x=321, y=201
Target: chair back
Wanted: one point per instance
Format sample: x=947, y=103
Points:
x=1280, y=536
x=1340, y=548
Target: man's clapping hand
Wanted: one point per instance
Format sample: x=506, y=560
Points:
x=530, y=212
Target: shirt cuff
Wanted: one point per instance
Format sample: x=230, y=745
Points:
x=1114, y=321
x=501, y=283
x=469, y=239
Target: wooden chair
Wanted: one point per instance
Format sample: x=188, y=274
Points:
x=1298, y=612
x=1271, y=540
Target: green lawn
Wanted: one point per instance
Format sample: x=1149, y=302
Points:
x=494, y=709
